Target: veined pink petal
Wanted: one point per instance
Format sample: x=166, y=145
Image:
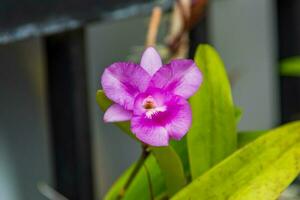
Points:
x=149, y=134
x=151, y=60
x=122, y=81
x=170, y=115
x=180, y=125
x=181, y=77
x=116, y=113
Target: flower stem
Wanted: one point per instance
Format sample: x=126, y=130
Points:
x=136, y=169
x=153, y=26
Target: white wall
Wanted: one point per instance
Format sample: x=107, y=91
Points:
x=244, y=32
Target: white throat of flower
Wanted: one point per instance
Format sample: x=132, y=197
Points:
x=151, y=112
x=151, y=108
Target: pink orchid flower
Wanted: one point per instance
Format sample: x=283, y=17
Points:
x=152, y=96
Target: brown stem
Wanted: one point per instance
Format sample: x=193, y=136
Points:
x=153, y=26
x=174, y=44
x=184, y=15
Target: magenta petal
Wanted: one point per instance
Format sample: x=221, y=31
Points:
x=116, y=113
x=179, y=125
x=148, y=133
x=122, y=81
x=181, y=77
x=172, y=115
x=151, y=60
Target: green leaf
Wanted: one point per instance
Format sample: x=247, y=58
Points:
x=156, y=176
x=212, y=136
x=118, y=185
x=139, y=188
x=171, y=167
x=181, y=149
x=238, y=112
x=290, y=66
x=248, y=136
x=260, y=170
x=103, y=103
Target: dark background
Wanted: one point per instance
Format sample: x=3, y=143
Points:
x=14, y=13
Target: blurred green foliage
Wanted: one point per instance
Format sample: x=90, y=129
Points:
x=290, y=66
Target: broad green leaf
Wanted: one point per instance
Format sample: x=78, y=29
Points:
x=290, y=66
x=248, y=136
x=212, y=136
x=259, y=170
x=171, y=168
x=103, y=103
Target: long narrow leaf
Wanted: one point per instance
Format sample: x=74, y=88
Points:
x=260, y=170
x=212, y=136
x=171, y=167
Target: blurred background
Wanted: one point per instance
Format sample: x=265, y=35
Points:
x=53, y=53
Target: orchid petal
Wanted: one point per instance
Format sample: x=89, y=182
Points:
x=116, y=113
x=149, y=133
x=122, y=81
x=151, y=60
x=181, y=77
x=180, y=124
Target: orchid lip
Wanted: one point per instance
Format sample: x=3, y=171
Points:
x=151, y=112
x=151, y=107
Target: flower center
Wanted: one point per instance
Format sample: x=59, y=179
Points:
x=151, y=107
x=149, y=103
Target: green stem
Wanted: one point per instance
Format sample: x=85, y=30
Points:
x=136, y=169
